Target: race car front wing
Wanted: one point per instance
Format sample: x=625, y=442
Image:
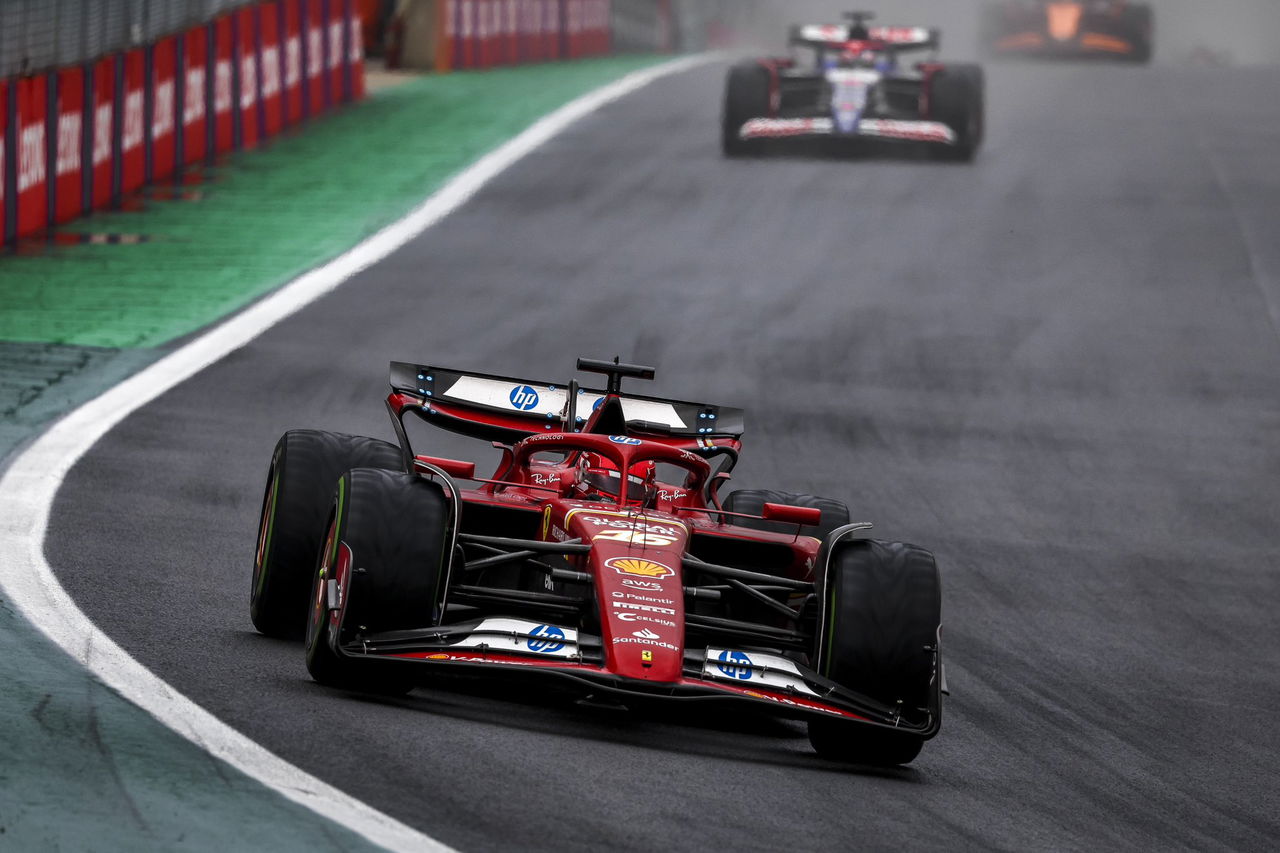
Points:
x=712, y=673
x=819, y=126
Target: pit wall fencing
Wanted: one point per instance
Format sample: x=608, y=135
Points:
x=452, y=35
x=79, y=138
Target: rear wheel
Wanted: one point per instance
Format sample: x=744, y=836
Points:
x=746, y=96
x=381, y=569
x=1143, y=30
x=957, y=98
x=883, y=609
x=834, y=513
x=304, y=468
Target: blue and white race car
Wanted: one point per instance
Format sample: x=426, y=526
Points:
x=847, y=82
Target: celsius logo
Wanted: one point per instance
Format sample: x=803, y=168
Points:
x=523, y=397
x=735, y=664
x=546, y=639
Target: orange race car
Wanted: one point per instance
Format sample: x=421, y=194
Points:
x=1113, y=29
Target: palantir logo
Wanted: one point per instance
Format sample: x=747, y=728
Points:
x=546, y=639
x=735, y=664
x=523, y=397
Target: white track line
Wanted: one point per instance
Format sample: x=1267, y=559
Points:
x=28, y=488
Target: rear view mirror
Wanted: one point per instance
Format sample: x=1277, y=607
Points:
x=803, y=515
x=452, y=467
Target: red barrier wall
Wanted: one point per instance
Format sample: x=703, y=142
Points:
x=224, y=90
x=32, y=192
x=490, y=29
x=4, y=188
x=292, y=61
x=271, y=59
x=247, y=95
x=355, y=52
x=143, y=114
x=510, y=32
x=132, y=153
x=194, y=75
x=334, y=51
x=162, y=122
x=315, y=24
x=104, y=100
x=237, y=80
x=68, y=124
x=551, y=28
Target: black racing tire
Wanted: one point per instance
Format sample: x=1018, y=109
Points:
x=1142, y=26
x=834, y=513
x=883, y=612
x=746, y=96
x=304, y=468
x=957, y=98
x=395, y=529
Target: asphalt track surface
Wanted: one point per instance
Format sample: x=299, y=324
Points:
x=1057, y=367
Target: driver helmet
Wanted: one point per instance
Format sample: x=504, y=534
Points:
x=598, y=474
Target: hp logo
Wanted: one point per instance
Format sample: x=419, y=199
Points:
x=546, y=639
x=523, y=397
x=735, y=664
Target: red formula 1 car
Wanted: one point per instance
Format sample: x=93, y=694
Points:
x=1115, y=29
x=599, y=553
x=847, y=85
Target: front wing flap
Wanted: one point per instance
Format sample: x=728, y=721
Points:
x=901, y=130
x=713, y=673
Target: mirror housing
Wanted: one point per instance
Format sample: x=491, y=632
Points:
x=452, y=467
x=805, y=516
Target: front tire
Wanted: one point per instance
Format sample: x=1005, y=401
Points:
x=746, y=96
x=883, y=612
x=957, y=98
x=304, y=468
x=385, y=553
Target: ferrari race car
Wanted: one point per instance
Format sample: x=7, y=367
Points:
x=846, y=83
x=1115, y=29
x=599, y=553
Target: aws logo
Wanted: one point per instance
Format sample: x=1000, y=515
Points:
x=639, y=566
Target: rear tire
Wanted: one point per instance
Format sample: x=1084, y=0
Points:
x=834, y=513
x=746, y=96
x=386, y=545
x=1143, y=27
x=883, y=604
x=957, y=98
x=304, y=468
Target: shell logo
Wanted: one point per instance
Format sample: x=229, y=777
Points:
x=638, y=566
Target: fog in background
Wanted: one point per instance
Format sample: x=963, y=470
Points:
x=1187, y=31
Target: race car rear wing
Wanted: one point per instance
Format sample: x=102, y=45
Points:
x=897, y=38
x=504, y=408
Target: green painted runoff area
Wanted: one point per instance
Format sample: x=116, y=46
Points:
x=80, y=768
